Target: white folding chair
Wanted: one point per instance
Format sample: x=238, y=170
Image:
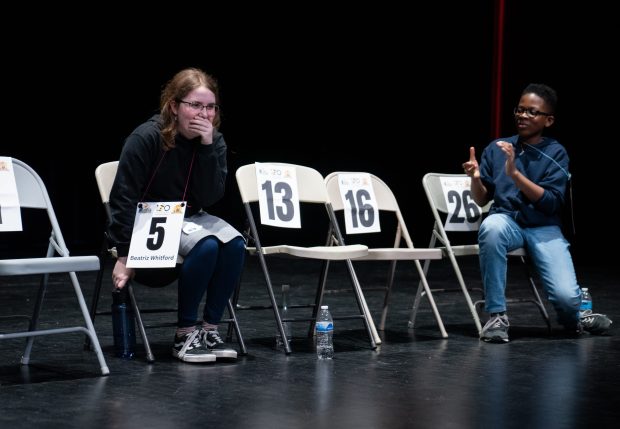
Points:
x=385, y=202
x=104, y=175
x=32, y=193
x=432, y=183
x=311, y=191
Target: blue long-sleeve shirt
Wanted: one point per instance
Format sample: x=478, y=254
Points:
x=545, y=164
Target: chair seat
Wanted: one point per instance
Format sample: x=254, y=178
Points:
x=332, y=253
x=61, y=264
x=474, y=250
x=400, y=254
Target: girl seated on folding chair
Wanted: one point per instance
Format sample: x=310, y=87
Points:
x=179, y=155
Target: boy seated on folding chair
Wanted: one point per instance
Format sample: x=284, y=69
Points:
x=179, y=155
x=526, y=176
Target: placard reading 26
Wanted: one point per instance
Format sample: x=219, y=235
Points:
x=463, y=213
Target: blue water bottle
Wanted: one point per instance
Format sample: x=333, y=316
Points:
x=123, y=324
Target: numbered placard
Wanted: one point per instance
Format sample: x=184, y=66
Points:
x=156, y=235
x=361, y=214
x=463, y=213
x=278, y=196
x=10, y=213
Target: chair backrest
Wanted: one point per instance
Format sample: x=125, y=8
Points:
x=385, y=197
x=32, y=193
x=313, y=190
x=435, y=194
x=30, y=188
x=105, y=174
x=386, y=200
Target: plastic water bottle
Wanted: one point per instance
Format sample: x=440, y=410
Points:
x=123, y=324
x=324, y=334
x=586, y=302
x=284, y=315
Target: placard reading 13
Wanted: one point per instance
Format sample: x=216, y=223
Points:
x=463, y=213
x=361, y=214
x=278, y=196
x=156, y=235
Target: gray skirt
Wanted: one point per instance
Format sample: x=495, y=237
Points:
x=202, y=225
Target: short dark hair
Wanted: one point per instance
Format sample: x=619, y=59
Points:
x=545, y=92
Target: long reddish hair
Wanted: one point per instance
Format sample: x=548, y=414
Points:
x=176, y=89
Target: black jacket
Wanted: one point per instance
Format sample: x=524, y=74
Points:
x=148, y=173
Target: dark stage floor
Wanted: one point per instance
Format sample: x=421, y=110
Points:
x=414, y=379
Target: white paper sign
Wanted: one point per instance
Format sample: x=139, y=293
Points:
x=10, y=213
x=278, y=195
x=361, y=213
x=463, y=213
x=156, y=235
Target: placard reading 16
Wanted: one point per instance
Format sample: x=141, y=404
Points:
x=361, y=213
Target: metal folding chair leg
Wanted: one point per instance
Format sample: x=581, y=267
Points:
x=136, y=311
x=233, y=324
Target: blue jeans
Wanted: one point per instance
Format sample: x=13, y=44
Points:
x=547, y=249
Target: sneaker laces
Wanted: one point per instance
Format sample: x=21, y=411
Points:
x=496, y=322
x=588, y=317
x=212, y=338
x=191, y=342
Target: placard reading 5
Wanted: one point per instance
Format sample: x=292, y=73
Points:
x=156, y=235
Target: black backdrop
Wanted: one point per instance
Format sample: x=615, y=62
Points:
x=388, y=91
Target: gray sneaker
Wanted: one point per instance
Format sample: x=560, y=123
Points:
x=496, y=329
x=190, y=348
x=595, y=323
x=217, y=346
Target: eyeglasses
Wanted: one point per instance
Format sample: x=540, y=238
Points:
x=197, y=106
x=529, y=112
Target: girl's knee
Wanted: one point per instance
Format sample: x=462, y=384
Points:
x=238, y=244
x=206, y=246
x=236, y=247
